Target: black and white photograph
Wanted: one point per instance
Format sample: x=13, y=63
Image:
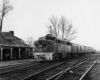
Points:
x=49, y=40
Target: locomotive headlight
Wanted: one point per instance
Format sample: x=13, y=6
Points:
x=40, y=46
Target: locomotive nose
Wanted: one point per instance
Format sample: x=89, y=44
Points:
x=41, y=46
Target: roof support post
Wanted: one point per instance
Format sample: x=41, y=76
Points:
x=1, y=54
x=19, y=53
x=11, y=52
x=26, y=52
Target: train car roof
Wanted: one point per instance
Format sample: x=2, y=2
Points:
x=55, y=39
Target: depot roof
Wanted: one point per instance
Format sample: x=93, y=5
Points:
x=9, y=39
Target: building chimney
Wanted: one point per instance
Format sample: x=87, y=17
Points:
x=11, y=32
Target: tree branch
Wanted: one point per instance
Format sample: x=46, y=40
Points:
x=6, y=7
x=62, y=27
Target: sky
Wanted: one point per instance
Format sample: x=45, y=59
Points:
x=30, y=18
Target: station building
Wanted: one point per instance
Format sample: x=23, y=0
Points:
x=12, y=47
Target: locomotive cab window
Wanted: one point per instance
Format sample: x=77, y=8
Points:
x=68, y=43
x=43, y=43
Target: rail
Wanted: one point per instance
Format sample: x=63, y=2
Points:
x=68, y=69
x=60, y=74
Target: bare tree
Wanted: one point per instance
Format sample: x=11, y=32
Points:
x=6, y=7
x=54, y=27
x=62, y=27
x=70, y=33
x=67, y=30
x=50, y=30
x=30, y=41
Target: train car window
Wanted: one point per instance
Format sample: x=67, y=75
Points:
x=64, y=42
x=68, y=43
x=58, y=41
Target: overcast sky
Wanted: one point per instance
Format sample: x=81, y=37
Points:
x=29, y=18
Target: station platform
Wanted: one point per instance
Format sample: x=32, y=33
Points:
x=4, y=64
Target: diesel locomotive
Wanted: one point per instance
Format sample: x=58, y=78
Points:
x=52, y=48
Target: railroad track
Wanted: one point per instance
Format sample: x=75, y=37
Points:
x=18, y=73
x=52, y=73
x=19, y=64
x=76, y=72
x=28, y=72
x=11, y=68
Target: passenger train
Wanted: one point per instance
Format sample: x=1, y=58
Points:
x=52, y=48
